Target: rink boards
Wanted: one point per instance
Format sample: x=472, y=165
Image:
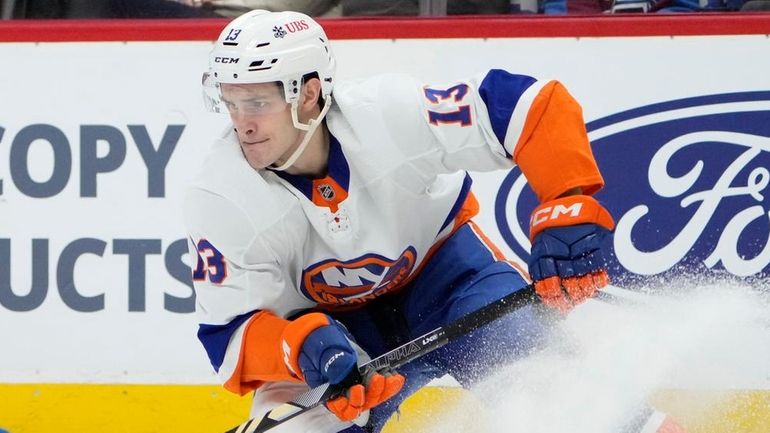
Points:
x=63, y=408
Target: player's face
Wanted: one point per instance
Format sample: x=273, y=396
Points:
x=262, y=120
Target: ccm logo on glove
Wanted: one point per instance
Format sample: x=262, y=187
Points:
x=567, y=261
x=553, y=212
x=319, y=350
x=331, y=361
x=567, y=211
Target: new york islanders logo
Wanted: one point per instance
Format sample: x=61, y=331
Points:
x=336, y=283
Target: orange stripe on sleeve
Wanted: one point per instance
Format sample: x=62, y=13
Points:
x=553, y=151
x=261, y=358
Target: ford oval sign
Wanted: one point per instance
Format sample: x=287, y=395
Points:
x=687, y=182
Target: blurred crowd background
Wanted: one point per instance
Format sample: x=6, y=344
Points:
x=90, y=9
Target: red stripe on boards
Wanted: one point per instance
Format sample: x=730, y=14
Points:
x=486, y=26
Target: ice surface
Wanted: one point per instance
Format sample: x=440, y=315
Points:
x=607, y=360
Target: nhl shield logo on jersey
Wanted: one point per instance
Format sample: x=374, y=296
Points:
x=338, y=283
x=326, y=191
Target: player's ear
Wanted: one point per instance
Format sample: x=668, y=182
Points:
x=311, y=93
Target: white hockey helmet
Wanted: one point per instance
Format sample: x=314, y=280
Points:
x=262, y=46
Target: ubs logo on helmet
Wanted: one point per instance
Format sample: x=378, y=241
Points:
x=279, y=32
x=686, y=181
x=297, y=26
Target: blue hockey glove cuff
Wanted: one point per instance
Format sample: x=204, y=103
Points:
x=567, y=261
x=318, y=350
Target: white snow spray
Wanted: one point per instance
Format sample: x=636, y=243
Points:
x=607, y=360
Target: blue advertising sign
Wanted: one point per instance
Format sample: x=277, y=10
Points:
x=686, y=181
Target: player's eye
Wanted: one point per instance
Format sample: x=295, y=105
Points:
x=256, y=106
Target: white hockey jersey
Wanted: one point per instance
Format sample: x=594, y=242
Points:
x=269, y=244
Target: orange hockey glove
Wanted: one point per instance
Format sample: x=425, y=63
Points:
x=567, y=262
x=361, y=397
x=319, y=350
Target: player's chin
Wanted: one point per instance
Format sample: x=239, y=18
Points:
x=256, y=158
x=258, y=163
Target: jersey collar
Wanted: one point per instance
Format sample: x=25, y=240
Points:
x=329, y=191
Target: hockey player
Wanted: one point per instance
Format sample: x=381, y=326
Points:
x=332, y=222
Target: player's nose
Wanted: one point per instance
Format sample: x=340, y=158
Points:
x=244, y=126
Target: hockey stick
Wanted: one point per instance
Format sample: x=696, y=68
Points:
x=622, y=297
x=395, y=358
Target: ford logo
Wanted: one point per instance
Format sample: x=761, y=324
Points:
x=686, y=182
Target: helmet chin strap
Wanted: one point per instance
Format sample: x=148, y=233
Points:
x=309, y=128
